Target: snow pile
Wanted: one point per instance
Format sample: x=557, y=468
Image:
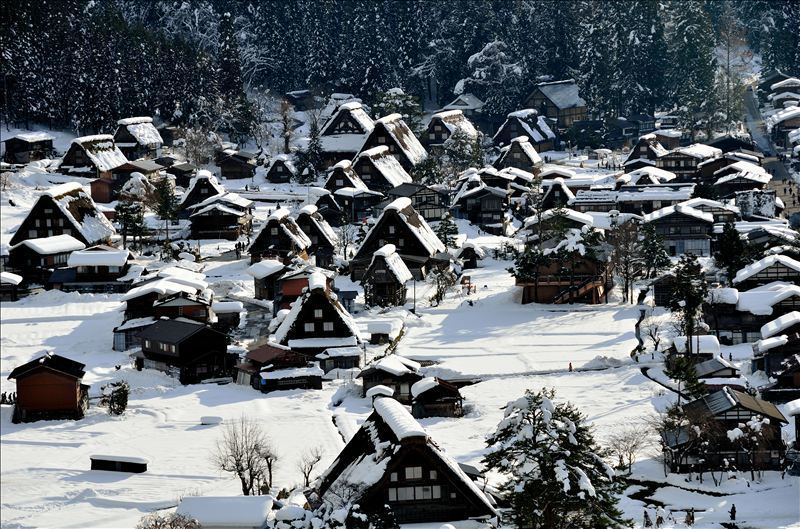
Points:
x=423, y=385
x=9, y=278
x=760, y=301
x=52, y=245
x=700, y=344
x=265, y=268
x=298, y=372
x=100, y=257
x=780, y=324
x=317, y=281
x=380, y=389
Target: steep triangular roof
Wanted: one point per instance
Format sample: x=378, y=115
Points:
x=49, y=361
x=402, y=208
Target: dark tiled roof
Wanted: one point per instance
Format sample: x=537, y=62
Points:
x=172, y=331
x=50, y=361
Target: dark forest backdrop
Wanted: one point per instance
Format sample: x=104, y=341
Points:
x=86, y=63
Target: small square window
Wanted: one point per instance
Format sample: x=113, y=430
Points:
x=452, y=495
x=273, y=231
x=317, y=313
x=393, y=476
x=309, y=327
x=433, y=474
x=391, y=230
x=413, y=472
x=327, y=326
x=392, y=494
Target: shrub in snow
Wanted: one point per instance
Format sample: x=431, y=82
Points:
x=167, y=521
x=115, y=396
x=554, y=471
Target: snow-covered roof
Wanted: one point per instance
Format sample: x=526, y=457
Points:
x=98, y=257
x=226, y=307
x=9, y=278
x=286, y=160
x=380, y=389
x=680, y=209
x=32, y=137
x=81, y=211
x=563, y=94
x=464, y=102
x=570, y=214
x=226, y=198
x=226, y=511
x=786, y=83
x=654, y=172
x=527, y=148
x=534, y=125
x=766, y=344
x=781, y=116
x=393, y=262
x=403, y=137
x=203, y=175
x=726, y=295
x=555, y=171
x=339, y=352
x=297, y=372
x=356, y=112
x=760, y=265
x=421, y=386
x=396, y=417
x=162, y=287
x=265, y=268
x=699, y=150
x=52, y=245
x=386, y=164
x=699, y=203
x=455, y=121
x=778, y=325
x=143, y=130
x=320, y=222
x=396, y=365
x=416, y=224
x=102, y=151
x=700, y=344
x=761, y=301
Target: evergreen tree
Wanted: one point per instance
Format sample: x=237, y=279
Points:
x=115, y=396
x=167, y=205
x=689, y=291
x=651, y=249
x=554, y=473
x=129, y=218
x=733, y=253
x=310, y=159
x=459, y=153
x=528, y=265
x=430, y=170
x=682, y=369
x=495, y=77
x=396, y=101
x=447, y=231
x=383, y=519
x=641, y=61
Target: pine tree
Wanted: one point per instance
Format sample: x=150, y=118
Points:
x=733, y=252
x=554, y=473
x=495, y=77
x=683, y=370
x=459, y=152
x=167, y=206
x=115, y=396
x=395, y=100
x=652, y=251
x=447, y=231
x=383, y=519
x=310, y=158
x=689, y=291
x=528, y=265
x=129, y=218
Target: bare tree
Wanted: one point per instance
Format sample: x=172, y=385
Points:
x=308, y=461
x=246, y=451
x=287, y=131
x=626, y=442
x=625, y=257
x=198, y=146
x=167, y=521
x=652, y=328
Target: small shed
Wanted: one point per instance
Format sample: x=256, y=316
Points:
x=49, y=387
x=228, y=512
x=385, y=279
x=294, y=378
x=394, y=371
x=265, y=277
x=470, y=254
x=340, y=358
x=9, y=286
x=434, y=397
x=282, y=170
x=28, y=147
x=134, y=465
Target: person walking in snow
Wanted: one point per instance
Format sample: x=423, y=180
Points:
x=659, y=517
x=647, y=521
x=570, y=367
x=733, y=512
x=689, y=520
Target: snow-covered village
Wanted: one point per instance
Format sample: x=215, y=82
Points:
x=384, y=264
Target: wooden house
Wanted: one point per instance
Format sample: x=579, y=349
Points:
x=786, y=387
x=558, y=100
x=187, y=349
x=521, y=154
x=684, y=229
x=721, y=211
x=730, y=143
x=647, y=148
x=379, y=170
x=184, y=305
x=183, y=173
x=265, y=277
x=385, y=279
x=482, y=205
x=402, y=226
x=620, y=132
x=49, y=387
x=553, y=221
x=268, y=355
x=472, y=108
x=228, y=314
x=281, y=170
x=317, y=321
x=309, y=377
x=766, y=270
x=768, y=79
x=336, y=100
x=140, y=299
x=738, y=316
x=556, y=193
x=301, y=100
x=226, y=216
x=65, y=209
x=428, y=201
x=236, y=165
x=170, y=134
x=780, y=339
x=98, y=269
x=202, y=186
x=393, y=371
x=280, y=238
x=357, y=204
x=342, y=175
x=443, y=125
x=393, y=132
x=661, y=289
x=740, y=176
x=716, y=367
x=729, y=409
x=684, y=161
x=28, y=147
x=328, y=207
x=392, y=461
x=138, y=138
x=344, y=358
x=126, y=335
x=434, y=397
x=110, y=188
x=34, y=259
x=319, y=232
x=584, y=279
x=92, y=157
x=293, y=284
x=10, y=289
x=646, y=123
x=344, y=134
x=526, y=123
x=781, y=124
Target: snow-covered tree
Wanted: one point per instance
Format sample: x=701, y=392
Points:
x=395, y=100
x=447, y=231
x=652, y=251
x=495, y=77
x=689, y=291
x=554, y=472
